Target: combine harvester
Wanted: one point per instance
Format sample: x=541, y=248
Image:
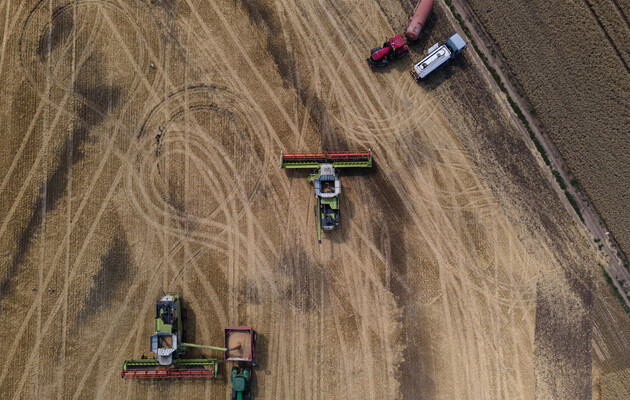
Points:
x=438, y=56
x=326, y=180
x=167, y=343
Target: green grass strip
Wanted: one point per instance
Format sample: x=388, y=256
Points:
x=617, y=293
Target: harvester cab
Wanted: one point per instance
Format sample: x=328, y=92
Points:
x=326, y=183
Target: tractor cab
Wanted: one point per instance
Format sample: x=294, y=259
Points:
x=398, y=47
x=241, y=378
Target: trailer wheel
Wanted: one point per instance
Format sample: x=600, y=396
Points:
x=255, y=336
x=184, y=313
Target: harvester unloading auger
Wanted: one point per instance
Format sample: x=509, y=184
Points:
x=326, y=180
x=167, y=343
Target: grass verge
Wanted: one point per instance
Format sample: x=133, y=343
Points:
x=615, y=290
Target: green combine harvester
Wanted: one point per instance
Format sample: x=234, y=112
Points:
x=326, y=180
x=167, y=343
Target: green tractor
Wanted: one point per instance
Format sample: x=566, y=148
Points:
x=326, y=181
x=241, y=379
x=167, y=343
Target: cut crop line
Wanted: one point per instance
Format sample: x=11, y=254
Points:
x=621, y=13
x=7, y=29
x=610, y=40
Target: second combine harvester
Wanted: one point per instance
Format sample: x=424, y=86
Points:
x=326, y=180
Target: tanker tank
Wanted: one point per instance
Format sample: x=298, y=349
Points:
x=421, y=14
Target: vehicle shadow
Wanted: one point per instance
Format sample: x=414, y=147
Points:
x=261, y=364
x=342, y=233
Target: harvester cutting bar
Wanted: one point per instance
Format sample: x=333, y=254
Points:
x=192, y=368
x=168, y=373
x=338, y=159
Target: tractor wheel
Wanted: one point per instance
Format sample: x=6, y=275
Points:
x=404, y=53
x=374, y=50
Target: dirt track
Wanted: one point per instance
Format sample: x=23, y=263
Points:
x=454, y=274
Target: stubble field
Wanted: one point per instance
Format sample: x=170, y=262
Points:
x=456, y=272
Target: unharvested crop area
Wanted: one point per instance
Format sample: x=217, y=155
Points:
x=142, y=140
x=572, y=61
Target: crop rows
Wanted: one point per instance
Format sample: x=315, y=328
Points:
x=570, y=61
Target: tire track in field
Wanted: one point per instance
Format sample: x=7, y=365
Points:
x=384, y=123
x=87, y=194
x=622, y=14
x=51, y=317
x=6, y=32
x=90, y=104
x=58, y=254
x=62, y=246
x=607, y=35
x=211, y=105
x=234, y=39
x=310, y=97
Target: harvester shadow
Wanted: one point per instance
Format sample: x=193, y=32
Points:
x=261, y=360
x=342, y=234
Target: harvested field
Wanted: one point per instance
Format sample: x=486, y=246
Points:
x=141, y=153
x=572, y=62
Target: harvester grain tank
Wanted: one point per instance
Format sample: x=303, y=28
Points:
x=418, y=20
x=438, y=56
x=326, y=181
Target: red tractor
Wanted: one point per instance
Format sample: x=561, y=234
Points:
x=393, y=49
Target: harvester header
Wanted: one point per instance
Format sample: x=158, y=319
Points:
x=338, y=159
